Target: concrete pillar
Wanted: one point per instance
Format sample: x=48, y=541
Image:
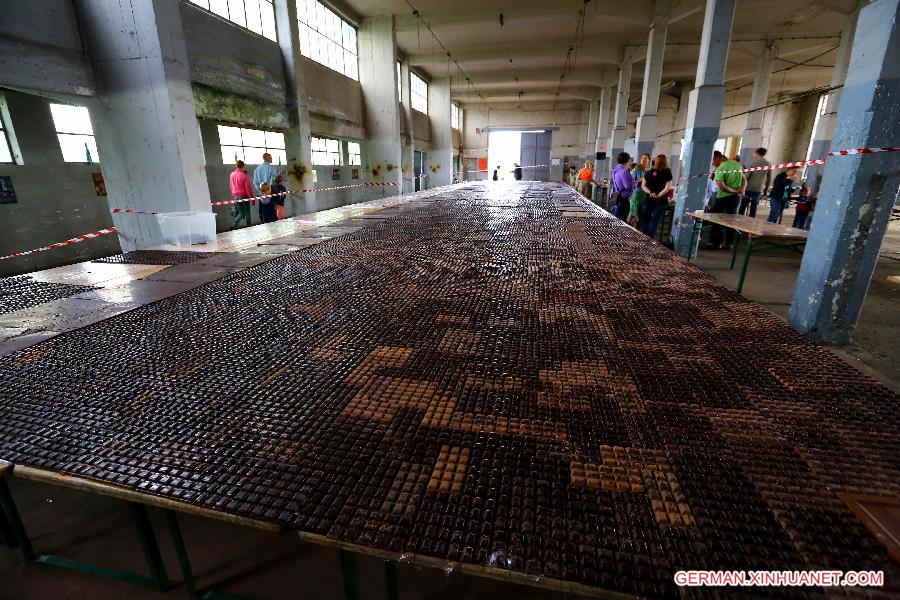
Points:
x=602, y=142
x=593, y=117
x=440, y=159
x=296, y=139
x=703, y=117
x=858, y=191
x=378, y=78
x=620, y=131
x=144, y=118
x=678, y=122
x=824, y=127
x=751, y=139
x=645, y=134
x=408, y=151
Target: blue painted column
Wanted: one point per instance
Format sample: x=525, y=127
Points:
x=703, y=117
x=645, y=131
x=858, y=191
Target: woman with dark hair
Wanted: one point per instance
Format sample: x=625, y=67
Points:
x=621, y=186
x=656, y=184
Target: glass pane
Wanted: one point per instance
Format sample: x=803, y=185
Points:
x=229, y=136
x=353, y=71
x=71, y=119
x=274, y=140
x=203, y=3
x=335, y=159
x=220, y=7
x=320, y=52
x=5, y=156
x=349, y=61
x=352, y=45
x=254, y=137
x=319, y=158
x=352, y=147
x=334, y=146
x=321, y=20
x=279, y=157
x=73, y=148
x=92, y=146
x=267, y=14
x=236, y=12
x=301, y=11
x=254, y=22
x=230, y=154
x=306, y=41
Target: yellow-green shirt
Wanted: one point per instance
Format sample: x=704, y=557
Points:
x=732, y=180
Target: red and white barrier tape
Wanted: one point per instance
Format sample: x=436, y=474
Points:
x=490, y=170
x=799, y=163
x=69, y=242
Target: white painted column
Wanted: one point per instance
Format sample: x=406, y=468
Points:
x=620, y=131
x=825, y=125
x=378, y=78
x=593, y=116
x=440, y=159
x=144, y=119
x=645, y=134
x=858, y=191
x=751, y=139
x=408, y=151
x=297, y=139
x=703, y=118
x=677, y=134
x=601, y=144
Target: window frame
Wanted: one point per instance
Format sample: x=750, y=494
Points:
x=327, y=149
x=415, y=94
x=6, y=144
x=327, y=38
x=207, y=5
x=95, y=155
x=455, y=116
x=351, y=154
x=279, y=155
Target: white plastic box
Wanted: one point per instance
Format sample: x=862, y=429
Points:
x=184, y=229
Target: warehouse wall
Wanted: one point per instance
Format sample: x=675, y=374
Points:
x=56, y=200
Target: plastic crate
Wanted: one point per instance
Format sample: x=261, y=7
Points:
x=190, y=228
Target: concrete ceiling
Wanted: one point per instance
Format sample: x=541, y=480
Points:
x=524, y=60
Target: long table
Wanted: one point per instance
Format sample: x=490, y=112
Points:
x=503, y=381
x=762, y=237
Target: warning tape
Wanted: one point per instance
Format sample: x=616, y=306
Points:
x=69, y=242
x=799, y=163
x=489, y=170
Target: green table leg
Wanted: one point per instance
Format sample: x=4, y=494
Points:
x=734, y=248
x=351, y=576
x=747, y=252
x=149, y=545
x=390, y=571
x=14, y=521
x=181, y=551
x=693, y=238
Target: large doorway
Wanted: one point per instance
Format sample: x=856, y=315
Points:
x=507, y=149
x=503, y=153
x=535, y=155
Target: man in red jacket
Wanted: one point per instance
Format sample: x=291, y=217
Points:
x=240, y=189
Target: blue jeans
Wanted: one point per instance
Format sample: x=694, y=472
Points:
x=800, y=220
x=751, y=200
x=728, y=205
x=775, y=211
x=651, y=215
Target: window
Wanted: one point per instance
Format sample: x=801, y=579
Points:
x=326, y=38
x=326, y=151
x=419, y=92
x=256, y=15
x=354, y=157
x=75, y=133
x=5, y=151
x=249, y=145
x=399, y=83
x=454, y=116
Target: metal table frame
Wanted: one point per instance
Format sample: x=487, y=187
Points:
x=761, y=245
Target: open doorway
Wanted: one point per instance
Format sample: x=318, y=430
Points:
x=504, y=151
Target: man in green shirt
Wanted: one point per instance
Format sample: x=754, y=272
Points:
x=732, y=184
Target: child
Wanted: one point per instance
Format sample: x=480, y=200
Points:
x=266, y=205
x=805, y=204
x=278, y=188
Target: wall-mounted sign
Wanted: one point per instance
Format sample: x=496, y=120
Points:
x=354, y=173
x=7, y=193
x=99, y=184
x=335, y=174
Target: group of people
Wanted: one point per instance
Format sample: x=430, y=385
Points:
x=732, y=191
x=266, y=181
x=639, y=192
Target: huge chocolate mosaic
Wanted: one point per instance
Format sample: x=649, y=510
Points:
x=156, y=257
x=23, y=291
x=502, y=376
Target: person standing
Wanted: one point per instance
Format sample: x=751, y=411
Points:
x=732, y=184
x=266, y=205
x=585, y=176
x=517, y=171
x=639, y=195
x=241, y=189
x=757, y=183
x=264, y=173
x=782, y=186
x=621, y=187
x=497, y=173
x=805, y=203
x=657, y=182
x=281, y=194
